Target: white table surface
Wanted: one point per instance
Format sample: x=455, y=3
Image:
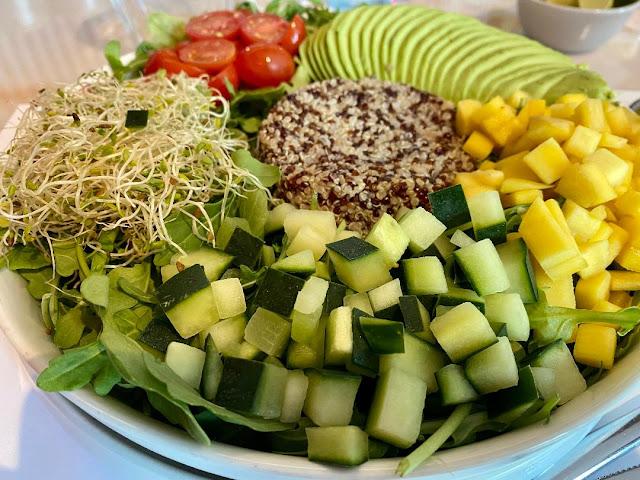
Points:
x=43, y=436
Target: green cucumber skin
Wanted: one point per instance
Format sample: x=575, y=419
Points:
x=179, y=287
x=450, y=206
x=278, y=292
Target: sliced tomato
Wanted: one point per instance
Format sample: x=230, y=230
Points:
x=295, y=35
x=219, y=82
x=264, y=65
x=211, y=55
x=263, y=28
x=167, y=59
x=222, y=24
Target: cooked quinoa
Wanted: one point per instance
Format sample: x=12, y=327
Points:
x=365, y=147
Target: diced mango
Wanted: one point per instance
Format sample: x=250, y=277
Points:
x=617, y=240
x=499, y=126
x=585, y=185
x=521, y=197
x=595, y=345
x=582, y=224
x=525, y=142
x=464, y=115
x=621, y=299
x=609, y=140
x=599, y=212
x=583, y=142
x=590, y=114
x=622, y=281
x=612, y=167
x=511, y=185
x=568, y=267
x=478, y=146
x=617, y=120
x=518, y=99
x=514, y=167
x=543, y=128
x=630, y=153
x=590, y=291
x=603, y=233
x=632, y=226
x=628, y=203
x=487, y=165
x=597, y=256
x=548, y=161
x=629, y=258
x=535, y=107
x=562, y=110
x=556, y=212
x=559, y=292
x=492, y=107
x=572, y=98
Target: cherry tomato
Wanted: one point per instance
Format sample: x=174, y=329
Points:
x=264, y=65
x=223, y=24
x=168, y=60
x=263, y=28
x=295, y=35
x=218, y=82
x=211, y=55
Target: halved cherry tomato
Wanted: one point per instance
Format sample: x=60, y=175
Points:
x=264, y=65
x=218, y=82
x=295, y=35
x=211, y=55
x=168, y=60
x=263, y=28
x=223, y=24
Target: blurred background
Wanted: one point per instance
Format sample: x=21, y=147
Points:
x=51, y=41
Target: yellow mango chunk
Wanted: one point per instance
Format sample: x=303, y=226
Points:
x=630, y=153
x=499, y=126
x=492, y=107
x=548, y=161
x=572, y=98
x=490, y=178
x=628, y=203
x=590, y=113
x=629, y=258
x=612, y=166
x=617, y=120
x=556, y=212
x=590, y=291
x=521, y=197
x=605, y=306
x=464, y=114
x=617, y=240
x=609, y=140
x=585, y=185
x=518, y=99
x=544, y=127
x=583, y=142
x=478, y=146
x=599, y=212
x=535, y=107
x=514, y=167
x=511, y=185
x=621, y=299
x=632, y=227
x=558, y=292
x=582, y=224
x=597, y=256
x=622, y=281
x=562, y=110
x=595, y=345
x=487, y=165
x=603, y=233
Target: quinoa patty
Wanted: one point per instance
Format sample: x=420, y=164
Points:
x=365, y=147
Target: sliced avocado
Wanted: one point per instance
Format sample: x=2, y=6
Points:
x=530, y=79
x=337, y=34
x=580, y=80
x=363, y=50
x=319, y=49
x=309, y=60
x=333, y=56
x=309, y=49
x=349, y=45
x=379, y=38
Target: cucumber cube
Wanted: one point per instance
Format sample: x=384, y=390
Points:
x=569, y=382
x=363, y=360
x=214, y=261
x=211, y=371
x=487, y=216
x=308, y=309
x=360, y=301
x=323, y=222
x=339, y=337
x=268, y=331
x=300, y=355
x=422, y=228
x=389, y=237
x=301, y=263
x=358, y=264
x=228, y=296
x=461, y=239
x=456, y=296
x=186, y=361
x=449, y=205
x=276, y=216
x=227, y=333
x=454, y=386
x=545, y=379
x=268, y=255
x=386, y=296
x=462, y=331
x=245, y=248
x=295, y=393
x=424, y=276
x=483, y=267
x=330, y=397
x=335, y=297
x=308, y=238
x=243, y=350
x=493, y=368
x=227, y=227
x=416, y=318
x=195, y=314
x=278, y=292
x=383, y=336
x=347, y=445
x=508, y=308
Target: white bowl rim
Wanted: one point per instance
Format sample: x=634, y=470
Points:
x=587, y=11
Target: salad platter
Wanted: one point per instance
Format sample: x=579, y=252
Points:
x=273, y=243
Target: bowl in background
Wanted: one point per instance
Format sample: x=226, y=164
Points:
x=572, y=29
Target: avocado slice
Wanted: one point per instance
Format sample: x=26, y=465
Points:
x=318, y=49
x=529, y=79
x=393, y=14
x=366, y=35
x=349, y=45
x=307, y=59
x=337, y=34
x=579, y=80
x=309, y=50
x=333, y=56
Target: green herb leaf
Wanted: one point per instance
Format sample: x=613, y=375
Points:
x=73, y=369
x=256, y=103
x=180, y=228
x=164, y=30
x=95, y=289
x=107, y=378
x=268, y=175
x=133, y=321
x=69, y=328
x=113, y=53
x=178, y=413
x=107, y=240
x=98, y=262
x=26, y=257
x=251, y=124
x=66, y=258
x=254, y=208
x=39, y=282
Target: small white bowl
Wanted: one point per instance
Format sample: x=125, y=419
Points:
x=571, y=29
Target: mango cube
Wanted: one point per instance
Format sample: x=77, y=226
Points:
x=617, y=241
x=464, y=115
x=572, y=98
x=514, y=167
x=499, y=126
x=511, y=185
x=609, y=140
x=582, y=224
x=558, y=292
x=521, y=197
x=584, y=141
x=597, y=256
x=595, y=345
x=562, y=110
x=548, y=161
x=605, y=306
x=518, y=99
x=535, y=107
x=603, y=233
x=590, y=291
x=629, y=258
x=622, y=281
x=492, y=107
x=487, y=165
x=550, y=127
x=612, y=166
x=478, y=146
x=599, y=212
x=628, y=203
x=617, y=120
x=621, y=299
x=590, y=113
x=630, y=153
x=586, y=185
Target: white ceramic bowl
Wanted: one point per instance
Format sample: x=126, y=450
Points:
x=571, y=29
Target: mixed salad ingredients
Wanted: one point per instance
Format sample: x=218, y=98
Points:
x=347, y=270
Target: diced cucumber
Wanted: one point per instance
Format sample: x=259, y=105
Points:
x=419, y=359
x=346, y=445
x=569, y=382
x=518, y=351
x=295, y=392
x=339, y=337
x=227, y=333
x=268, y=332
x=384, y=299
x=499, y=328
x=483, y=268
x=159, y=333
x=276, y=216
x=401, y=212
x=424, y=276
x=323, y=270
x=334, y=298
x=487, y=216
x=359, y=301
x=363, y=360
x=422, y=228
x=389, y=237
x=245, y=248
x=493, y=368
x=358, y=264
x=508, y=308
x=456, y=296
x=181, y=286
x=273, y=361
x=214, y=261
x=243, y=350
x=396, y=410
x=308, y=309
x=300, y=355
x=330, y=397
x=227, y=227
x=278, y=292
x=462, y=331
x=344, y=234
x=449, y=205
x=186, y=361
x=517, y=263
x=307, y=238
x=416, y=318
x=442, y=309
x=443, y=246
x=195, y=314
x=168, y=271
x=545, y=379
x=211, y=371
x=461, y=239
x=510, y=402
x=302, y=263
x=252, y=387
x=383, y=336
x=268, y=255
x=323, y=222
x=454, y=386
x=228, y=296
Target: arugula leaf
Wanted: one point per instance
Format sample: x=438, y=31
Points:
x=471, y=426
x=39, y=282
x=98, y=262
x=164, y=30
x=107, y=378
x=134, y=68
x=180, y=228
x=107, y=239
x=178, y=413
x=133, y=321
x=69, y=328
x=73, y=369
x=66, y=258
x=268, y=175
x=249, y=277
x=552, y=323
x=95, y=289
x=113, y=53
x=26, y=257
x=315, y=15
x=254, y=208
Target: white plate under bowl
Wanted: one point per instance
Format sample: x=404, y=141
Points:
x=527, y=451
